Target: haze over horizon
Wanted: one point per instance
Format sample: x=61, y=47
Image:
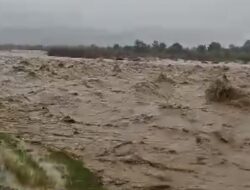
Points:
x=106, y=22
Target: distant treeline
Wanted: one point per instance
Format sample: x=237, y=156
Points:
x=213, y=52
x=9, y=47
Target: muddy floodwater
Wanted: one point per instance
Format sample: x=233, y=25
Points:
x=122, y=125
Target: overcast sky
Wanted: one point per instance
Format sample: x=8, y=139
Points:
x=231, y=17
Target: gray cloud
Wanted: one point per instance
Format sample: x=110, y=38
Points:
x=193, y=21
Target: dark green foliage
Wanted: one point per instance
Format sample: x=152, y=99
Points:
x=201, y=49
x=141, y=47
x=246, y=46
x=214, y=47
x=175, y=48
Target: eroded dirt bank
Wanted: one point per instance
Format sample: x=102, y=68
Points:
x=138, y=125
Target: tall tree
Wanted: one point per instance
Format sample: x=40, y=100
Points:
x=201, y=49
x=246, y=46
x=214, y=46
x=176, y=48
x=140, y=46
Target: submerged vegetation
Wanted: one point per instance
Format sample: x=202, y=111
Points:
x=221, y=90
x=27, y=170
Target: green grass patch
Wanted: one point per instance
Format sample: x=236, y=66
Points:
x=21, y=165
x=8, y=139
x=66, y=172
x=78, y=177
